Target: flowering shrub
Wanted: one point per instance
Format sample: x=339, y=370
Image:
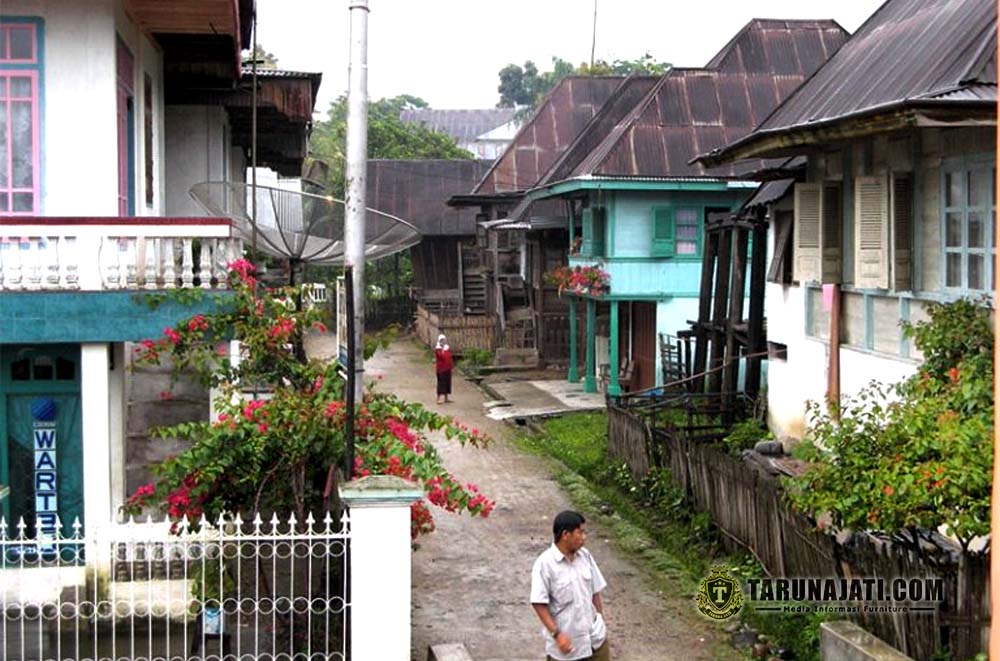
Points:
x=274, y=453
x=591, y=280
x=918, y=455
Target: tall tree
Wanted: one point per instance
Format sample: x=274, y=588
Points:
x=265, y=59
x=388, y=137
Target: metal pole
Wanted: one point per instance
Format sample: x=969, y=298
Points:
x=351, y=399
x=593, y=39
x=994, y=643
x=356, y=175
x=253, y=144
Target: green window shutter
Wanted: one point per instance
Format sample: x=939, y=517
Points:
x=598, y=226
x=663, y=232
x=587, y=227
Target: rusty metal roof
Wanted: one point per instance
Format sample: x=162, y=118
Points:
x=560, y=118
x=909, y=53
x=692, y=111
x=418, y=190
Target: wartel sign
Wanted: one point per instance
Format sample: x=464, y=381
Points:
x=44, y=434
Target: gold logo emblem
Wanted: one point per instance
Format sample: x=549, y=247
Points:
x=720, y=595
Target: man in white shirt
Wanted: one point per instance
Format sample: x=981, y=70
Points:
x=565, y=593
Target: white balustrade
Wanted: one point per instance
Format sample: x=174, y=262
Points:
x=54, y=263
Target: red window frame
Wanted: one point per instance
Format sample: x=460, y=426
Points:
x=24, y=68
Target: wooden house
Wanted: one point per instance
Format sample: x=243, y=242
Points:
x=637, y=208
x=896, y=206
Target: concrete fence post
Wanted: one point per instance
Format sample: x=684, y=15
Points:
x=380, y=566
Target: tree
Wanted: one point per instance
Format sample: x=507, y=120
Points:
x=388, y=137
x=275, y=454
x=904, y=460
x=265, y=59
x=524, y=87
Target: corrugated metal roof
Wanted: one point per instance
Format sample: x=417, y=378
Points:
x=463, y=125
x=693, y=111
x=418, y=190
x=970, y=92
x=560, y=118
x=908, y=49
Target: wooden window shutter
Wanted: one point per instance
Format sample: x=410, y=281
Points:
x=871, y=220
x=664, y=235
x=806, y=231
x=902, y=231
x=780, y=271
x=831, y=233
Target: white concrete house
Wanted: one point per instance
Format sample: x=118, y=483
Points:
x=110, y=110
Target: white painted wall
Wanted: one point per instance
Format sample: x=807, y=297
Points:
x=197, y=150
x=116, y=420
x=79, y=109
x=95, y=401
x=673, y=316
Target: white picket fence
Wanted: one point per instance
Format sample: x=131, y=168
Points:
x=226, y=590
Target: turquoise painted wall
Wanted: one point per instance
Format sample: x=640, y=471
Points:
x=634, y=271
x=121, y=316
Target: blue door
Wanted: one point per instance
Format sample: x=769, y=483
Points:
x=41, y=456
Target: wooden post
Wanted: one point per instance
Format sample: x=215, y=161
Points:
x=995, y=503
x=573, y=374
x=730, y=375
x=704, y=307
x=723, y=266
x=755, y=319
x=614, y=388
x=833, y=385
x=589, y=380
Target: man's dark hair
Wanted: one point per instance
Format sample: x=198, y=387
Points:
x=567, y=521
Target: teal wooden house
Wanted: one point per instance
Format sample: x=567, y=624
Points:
x=638, y=207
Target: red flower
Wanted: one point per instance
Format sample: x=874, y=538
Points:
x=262, y=428
x=172, y=335
x=953, y=374
x=197, y=323
x=888, y=490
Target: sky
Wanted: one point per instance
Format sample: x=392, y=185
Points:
x=448, y=52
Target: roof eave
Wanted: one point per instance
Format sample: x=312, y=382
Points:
x=881, y=119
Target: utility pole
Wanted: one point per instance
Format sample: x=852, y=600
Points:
x=593, y=39
x=354, y=212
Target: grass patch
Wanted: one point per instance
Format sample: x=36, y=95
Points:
x=653, y=521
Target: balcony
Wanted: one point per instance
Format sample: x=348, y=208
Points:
x=105, y=254
x=86, y=279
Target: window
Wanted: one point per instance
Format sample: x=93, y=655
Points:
x=126, y=131
x=594, y=230
x=677, y=232
x=969, y=213
x=19, y=119
x=147, y=120
x=686, y=232
x=816, y=232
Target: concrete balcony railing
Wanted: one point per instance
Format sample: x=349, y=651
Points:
x=107, y=254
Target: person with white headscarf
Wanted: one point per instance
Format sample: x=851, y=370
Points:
x=443, y=365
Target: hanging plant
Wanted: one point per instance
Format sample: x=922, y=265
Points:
x=586, y=280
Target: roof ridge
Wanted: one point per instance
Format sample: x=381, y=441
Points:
x=615, y=135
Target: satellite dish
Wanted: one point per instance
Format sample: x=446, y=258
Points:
x=304, y=228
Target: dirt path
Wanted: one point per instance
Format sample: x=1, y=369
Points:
x=471, y=576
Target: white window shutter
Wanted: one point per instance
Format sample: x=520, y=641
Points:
x=808, y=211
x=871, y=218
x=902, y=231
